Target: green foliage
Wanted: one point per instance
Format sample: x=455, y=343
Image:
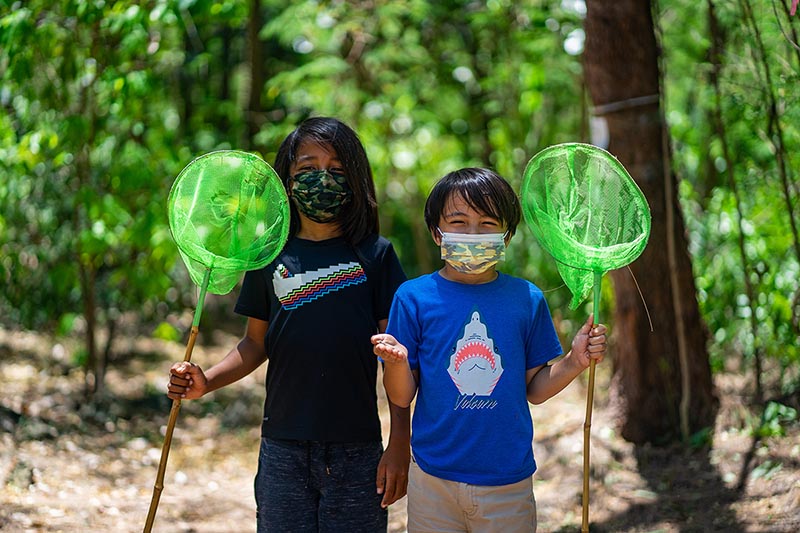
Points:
x=430, y=87
x=776, y=416
x=66, y=324
x=86, y=158
x=80, y=357
x=105, y=102
x=766, y=470
x=760, y=148
x=166, y=331
x=702, y=439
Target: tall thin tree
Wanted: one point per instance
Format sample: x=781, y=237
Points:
x=653, y=370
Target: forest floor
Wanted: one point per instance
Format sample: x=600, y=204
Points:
x=66, y=465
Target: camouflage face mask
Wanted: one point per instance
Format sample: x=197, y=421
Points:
x=473, y=253
x=320, y=194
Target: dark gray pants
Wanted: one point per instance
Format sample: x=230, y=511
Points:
x=307, y=486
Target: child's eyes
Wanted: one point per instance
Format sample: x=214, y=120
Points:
x=312, y=168
x=487, y=223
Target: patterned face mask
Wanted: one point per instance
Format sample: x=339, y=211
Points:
x=473, y=253
x=320, y=194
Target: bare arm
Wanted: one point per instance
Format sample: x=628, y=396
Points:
x=188, y=381
x=392, y=475
x=544, y=382
x=398, y=379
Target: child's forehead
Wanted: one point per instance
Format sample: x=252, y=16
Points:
x=311, y=149
x=457, y=204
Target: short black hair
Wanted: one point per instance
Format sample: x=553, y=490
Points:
x=484, y=190
x=360, y=216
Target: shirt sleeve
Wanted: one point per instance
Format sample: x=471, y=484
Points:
x=542, y=344
x=390, y=278
x=405, y=327
x=253, y=297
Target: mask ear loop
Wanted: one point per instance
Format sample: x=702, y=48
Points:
x=441, y=237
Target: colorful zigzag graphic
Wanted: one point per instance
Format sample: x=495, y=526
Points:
x=294, y=291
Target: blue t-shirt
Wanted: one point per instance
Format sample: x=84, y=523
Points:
x=472, y=345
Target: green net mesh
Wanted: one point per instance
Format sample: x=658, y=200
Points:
x=228, y=213
x=586, y=211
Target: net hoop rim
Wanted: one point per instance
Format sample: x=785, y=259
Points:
x=189, y=251
x=622, y=172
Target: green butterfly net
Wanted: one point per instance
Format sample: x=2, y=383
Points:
x=228, y=213
x=585, y=211
x=588, y=213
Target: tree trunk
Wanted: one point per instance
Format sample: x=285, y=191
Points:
x=653, y=371
x=92, y=377
x=253, y=116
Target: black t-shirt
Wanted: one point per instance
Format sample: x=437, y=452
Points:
x=323, y=301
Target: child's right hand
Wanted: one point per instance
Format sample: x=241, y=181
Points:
x=388, y=349
x=186, y=381
x=589, y=343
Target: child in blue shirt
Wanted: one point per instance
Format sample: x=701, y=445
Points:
x=473, y=345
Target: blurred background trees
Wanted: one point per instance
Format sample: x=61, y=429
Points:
x=104, y=102
x=662, y=380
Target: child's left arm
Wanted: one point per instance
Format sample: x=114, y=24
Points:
x=544, y=381
x=392, y=475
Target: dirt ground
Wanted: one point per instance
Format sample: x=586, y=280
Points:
x=69, y=466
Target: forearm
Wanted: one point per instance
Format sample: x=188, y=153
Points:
x=552, y=379
x=400, y=425
x=240, y=361
x=392, y=475
x=399, y=383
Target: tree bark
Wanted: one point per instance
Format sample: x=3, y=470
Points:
x=622, y=74
x=254, y=110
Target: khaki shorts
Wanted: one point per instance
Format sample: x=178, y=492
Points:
x=438, y=505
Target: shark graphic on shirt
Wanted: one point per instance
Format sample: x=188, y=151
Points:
x=475, y=366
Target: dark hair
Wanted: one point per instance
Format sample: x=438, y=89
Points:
x=484, y=190
x=360, y=217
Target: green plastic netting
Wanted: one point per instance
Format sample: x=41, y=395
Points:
x=228, y=213
x=586, y=212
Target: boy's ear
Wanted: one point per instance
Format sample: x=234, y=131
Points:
x=436, y=236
